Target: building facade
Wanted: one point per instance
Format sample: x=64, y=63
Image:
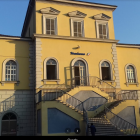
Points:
x=66, y=69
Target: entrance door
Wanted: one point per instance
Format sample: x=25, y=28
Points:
x=9, y=125
x=79, y=73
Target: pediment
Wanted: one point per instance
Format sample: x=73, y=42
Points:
x=49, y=10
x=77, y=14
x=101, y=17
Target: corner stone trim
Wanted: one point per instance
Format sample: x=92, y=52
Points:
x=31, y=65
x=115, y=62
x=38, y=72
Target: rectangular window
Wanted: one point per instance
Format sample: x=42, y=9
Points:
x=102, y=31
x=50, y=26
x=77, y=29
x=39, y=121
x=106, y=73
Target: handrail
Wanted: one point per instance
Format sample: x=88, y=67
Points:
x=120, y=124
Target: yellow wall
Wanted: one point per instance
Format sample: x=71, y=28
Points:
x=18, y=50
x=60, y=49
x=125, y=56
x=54, y=104
x=64, y=20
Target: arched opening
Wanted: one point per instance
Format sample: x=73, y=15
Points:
x=9, y=125
x=11, y=71
x=106, y=73
x=130, y=74
x=79, y=72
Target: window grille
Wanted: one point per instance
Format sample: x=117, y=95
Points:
x=50, y=26
x=11, y=70
x=130, y=74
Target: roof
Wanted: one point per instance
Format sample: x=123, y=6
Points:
x=128, y=44
x=32, y=2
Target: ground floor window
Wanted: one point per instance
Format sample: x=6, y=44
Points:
x=39, y=121
x=9, y=125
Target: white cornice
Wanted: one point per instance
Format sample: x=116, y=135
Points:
x=77, y=14
x=127, y=46
x=49, y=10
x=101, y=17
x=75, y=38
x=111, y=7
x=15, y=38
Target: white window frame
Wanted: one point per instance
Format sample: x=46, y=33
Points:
x=72, y=20
x=135, y=73
x=4, y=72
x=111, y=72
x=46, y=16
x=97, y=22
x=57, y=70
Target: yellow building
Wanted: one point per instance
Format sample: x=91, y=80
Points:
x=66, y=71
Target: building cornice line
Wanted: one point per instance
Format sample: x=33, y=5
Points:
x=75, y=38
x=112, y=7
x=128, y=46
x=15, y=38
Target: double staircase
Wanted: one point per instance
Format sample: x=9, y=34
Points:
x=103, y=121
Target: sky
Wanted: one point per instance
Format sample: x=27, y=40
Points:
x=126, y=18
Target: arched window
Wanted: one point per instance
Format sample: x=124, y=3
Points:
x=51, y=67
x=9, y=125
x=130, y=74
x=11, y=71
x=105, y=71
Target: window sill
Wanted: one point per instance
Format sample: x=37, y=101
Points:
x=10, y=82
x=127, y=84
x=46, y=80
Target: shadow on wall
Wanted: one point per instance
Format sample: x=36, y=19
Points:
x=21, y=55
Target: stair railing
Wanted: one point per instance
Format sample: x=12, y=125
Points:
x=121, y=124
x=91, y=81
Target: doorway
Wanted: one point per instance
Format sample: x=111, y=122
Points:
x=9, y=125
x=79, y=73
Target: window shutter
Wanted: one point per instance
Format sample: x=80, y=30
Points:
x=48, y=26
x=75, y=28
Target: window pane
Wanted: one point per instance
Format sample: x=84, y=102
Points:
x=75, y=34
x=52, y=24
x=52, y=33
x=48, y=32
x=51, y=72
x=100, y=36
x=105, y=73
x=75, y=27
x=100, y=28
x=79, y=27
x=11, y=77
x=47, y=24
x=51, y=62
x=80, y=35
x=104, y=29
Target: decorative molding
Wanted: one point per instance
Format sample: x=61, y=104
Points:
x=136, y=77
x=49, y=10
x=10, y=82
x=116, y=69
x=38, y=66
x=111, y=73
x=72, y=25
x=110, y=7
x=44, y=17
x=76, y=38
x=77, y=14
x=45, y=70
x=45, y=80
x=97, y=22
x=101, y=17
x=3, y=70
